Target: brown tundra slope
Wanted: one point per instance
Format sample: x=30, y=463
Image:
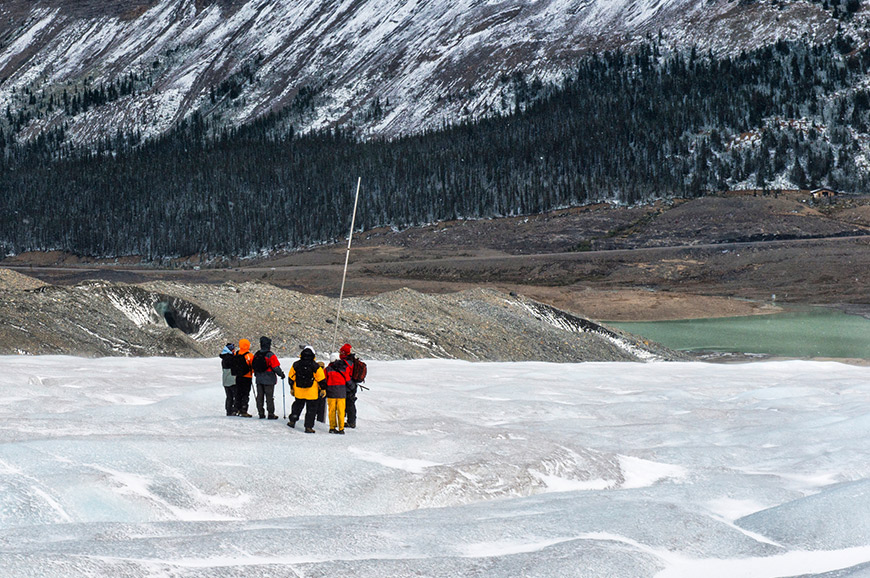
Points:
x=715, y=256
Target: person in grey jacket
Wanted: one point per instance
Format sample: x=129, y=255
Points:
x=229, y=380
x=267, y=370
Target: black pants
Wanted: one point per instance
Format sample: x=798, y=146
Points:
x=268, y=392
x=350, y=407
x=243, y=394
x=230, y=402
x=310, y=406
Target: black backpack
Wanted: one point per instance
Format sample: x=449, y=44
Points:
x=305, y=372
x=240, y=365
x=260, y=363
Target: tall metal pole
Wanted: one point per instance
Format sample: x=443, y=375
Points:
x=346, y=259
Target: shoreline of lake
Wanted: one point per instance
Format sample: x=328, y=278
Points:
x=802, y=332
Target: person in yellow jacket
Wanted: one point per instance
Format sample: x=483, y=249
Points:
x=241, y=369
x=307, y=384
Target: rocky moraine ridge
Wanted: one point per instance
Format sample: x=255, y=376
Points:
x=190, y=320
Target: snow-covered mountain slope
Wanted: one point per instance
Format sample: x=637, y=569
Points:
x=385, y=66
x=129, y=468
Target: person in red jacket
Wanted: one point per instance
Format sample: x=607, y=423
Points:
x=267, y=370
x=346, y=353
x=337, y=376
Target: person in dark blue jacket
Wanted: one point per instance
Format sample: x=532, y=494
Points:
x=229, y=380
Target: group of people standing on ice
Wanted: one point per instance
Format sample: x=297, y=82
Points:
x=315, y=388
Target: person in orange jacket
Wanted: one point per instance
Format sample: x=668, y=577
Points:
x=307, y=380
x=244, y=377
x=337, y=376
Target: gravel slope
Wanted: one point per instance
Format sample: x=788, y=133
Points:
x=166, y=318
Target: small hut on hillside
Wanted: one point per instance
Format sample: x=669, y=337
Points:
x=823, y=193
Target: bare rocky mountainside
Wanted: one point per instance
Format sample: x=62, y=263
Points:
x=89, y=70
x=181, y=319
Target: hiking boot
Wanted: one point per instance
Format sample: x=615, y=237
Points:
x=262, y=416
x=340, y=432
x=350, y=425
x=245, y=414
x=333, y=430
x=291, y=423
x=273, y=417
x=310, y=430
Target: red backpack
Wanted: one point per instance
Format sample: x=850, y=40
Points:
x=359, y=370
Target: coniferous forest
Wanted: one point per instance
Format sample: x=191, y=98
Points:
x=623, y=126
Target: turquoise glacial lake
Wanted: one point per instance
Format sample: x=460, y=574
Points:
x=814, y=333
